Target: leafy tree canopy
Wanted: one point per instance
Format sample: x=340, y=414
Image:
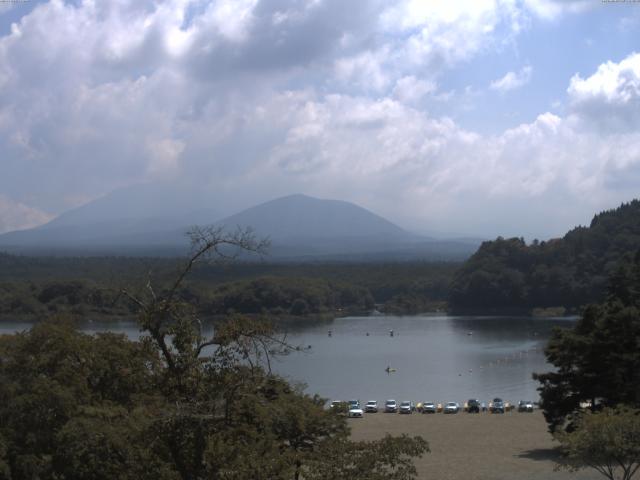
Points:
x=607, y=441
x=598, y=361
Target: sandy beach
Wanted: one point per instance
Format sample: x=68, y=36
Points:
x=475, y=446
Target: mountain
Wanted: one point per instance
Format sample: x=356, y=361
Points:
x=131, y=222
x=297, y=217
x=508, y=274
x=146, y=216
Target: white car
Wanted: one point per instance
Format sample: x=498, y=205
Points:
x=406, y=407
x=355, y=412
x=452, y=407
x=371, y=406
x=390, y=406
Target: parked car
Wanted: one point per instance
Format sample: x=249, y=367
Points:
x=406, y=407
x=428, y=407
x=452, y=407
x=354, y=404
x=497, y=405
x=525, y=406
x=371, y=406
x=355, y=411
x=390, y=406
x=473, y=405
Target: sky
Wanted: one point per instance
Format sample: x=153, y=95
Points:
x=466, y=117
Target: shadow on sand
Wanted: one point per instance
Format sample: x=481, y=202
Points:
x=542, y=454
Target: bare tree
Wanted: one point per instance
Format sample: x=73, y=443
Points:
x=174, y=324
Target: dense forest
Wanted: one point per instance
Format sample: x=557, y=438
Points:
x=509, y=274
x=33, y=287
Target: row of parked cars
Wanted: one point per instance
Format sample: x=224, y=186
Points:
x=497, y=405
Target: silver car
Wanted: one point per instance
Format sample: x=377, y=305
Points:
x=452, y=407
x=406, y=407
x=428, y=407
x=371, y=406
x=390, y=406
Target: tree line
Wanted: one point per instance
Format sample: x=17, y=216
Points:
x=570, y=272
x=88, y=287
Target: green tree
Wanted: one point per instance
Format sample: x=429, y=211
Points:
x=597, y=362
x=390, y=458
x=607, y=441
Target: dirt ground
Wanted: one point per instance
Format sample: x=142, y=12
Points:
x=475, y=446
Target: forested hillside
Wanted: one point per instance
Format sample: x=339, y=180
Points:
x=508, y=274
x=88, y=287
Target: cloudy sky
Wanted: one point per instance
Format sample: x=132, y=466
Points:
x=474, y=117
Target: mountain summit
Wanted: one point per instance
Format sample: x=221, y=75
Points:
x=299, y=217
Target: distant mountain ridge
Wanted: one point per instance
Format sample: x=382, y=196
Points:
x=299, y=226
x=566, y=272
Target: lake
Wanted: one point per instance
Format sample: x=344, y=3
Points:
x=436, y=358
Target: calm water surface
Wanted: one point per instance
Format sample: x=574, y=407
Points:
x=436, y=358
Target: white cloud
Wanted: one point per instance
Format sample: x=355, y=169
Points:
x=233, y=18
x=365, y=70
x=553, y=9
x=610, y=98
x=164, y=156
x=613, y=83
x=411, y=89
x=513, y=80
x=450, y=32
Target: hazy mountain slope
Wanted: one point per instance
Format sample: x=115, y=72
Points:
x=144, y=201
x=147, y=214
x=303, y=217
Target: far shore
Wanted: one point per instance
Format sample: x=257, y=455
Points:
x=476, y=446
